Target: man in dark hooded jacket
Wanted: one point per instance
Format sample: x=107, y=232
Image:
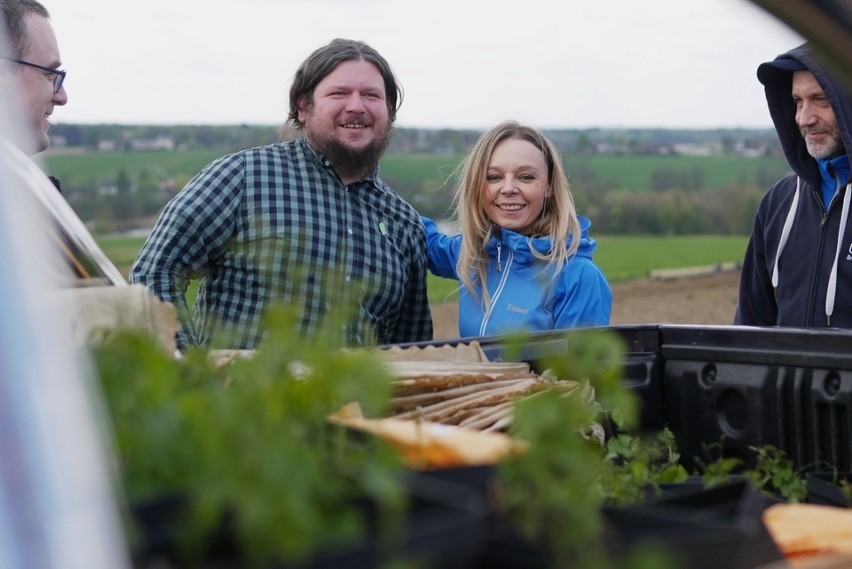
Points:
x=797, y=269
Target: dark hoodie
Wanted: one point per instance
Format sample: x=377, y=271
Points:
x=813, y=287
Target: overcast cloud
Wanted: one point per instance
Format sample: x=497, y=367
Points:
x=462, y=63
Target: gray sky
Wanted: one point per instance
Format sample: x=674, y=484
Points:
x=462, y=63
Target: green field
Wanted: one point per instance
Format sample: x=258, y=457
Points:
x=632, y=172
x=622, y=258
x=625, y=258
x=100, y=166
x=637, y=172
x=418, y=172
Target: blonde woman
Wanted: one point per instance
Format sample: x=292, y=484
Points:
x=523, y=257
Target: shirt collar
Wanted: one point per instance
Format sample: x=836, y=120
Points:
x=838, y=166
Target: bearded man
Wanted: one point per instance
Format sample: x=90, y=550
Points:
x=306, y=222
x=797, y=269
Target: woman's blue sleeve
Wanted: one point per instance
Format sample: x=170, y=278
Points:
x=443, y=250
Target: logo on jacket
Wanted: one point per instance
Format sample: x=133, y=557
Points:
x=519, y=310
x=849, y=254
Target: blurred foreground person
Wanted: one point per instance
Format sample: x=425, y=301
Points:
x=59, y=505
x=797, y=269
x=30, y=53
x=306, y=222
x=31, y=86
x=524, y=256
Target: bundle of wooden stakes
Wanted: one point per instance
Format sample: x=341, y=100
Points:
x=474, y=394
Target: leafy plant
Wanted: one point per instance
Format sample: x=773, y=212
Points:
x=633, y=465
x=719, y=470
x=554, y=491
x=846, y=489
x=250, y=442
x=774, y=473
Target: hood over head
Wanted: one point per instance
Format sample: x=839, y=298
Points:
x=777, y=79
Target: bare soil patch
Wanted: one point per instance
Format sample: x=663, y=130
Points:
x=709, y=300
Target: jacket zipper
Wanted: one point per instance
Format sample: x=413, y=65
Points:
x=812, y=311
x=499, y=290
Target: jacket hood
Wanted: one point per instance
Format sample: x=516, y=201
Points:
x=776, y=76
x=520, y=242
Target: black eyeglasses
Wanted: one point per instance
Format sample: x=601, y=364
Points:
x=58, y=74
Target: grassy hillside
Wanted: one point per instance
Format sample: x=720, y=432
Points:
x=638, y=172
x=418, y=172
x=100, y=166
x=624, y=258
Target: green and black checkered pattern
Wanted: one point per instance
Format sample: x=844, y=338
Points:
x=276, y=224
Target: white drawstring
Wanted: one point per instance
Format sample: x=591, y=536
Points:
x=785, y=233
x=832, y=279
x=831, y=291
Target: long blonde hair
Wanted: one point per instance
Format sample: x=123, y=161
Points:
x=558, y=220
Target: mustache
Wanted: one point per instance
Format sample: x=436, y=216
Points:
x=831, y=133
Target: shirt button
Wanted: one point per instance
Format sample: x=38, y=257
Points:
x=349, y=231
x=348, y=278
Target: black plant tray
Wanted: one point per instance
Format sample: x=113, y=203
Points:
x=703, y=528
x=824, y=488
x=444, y=520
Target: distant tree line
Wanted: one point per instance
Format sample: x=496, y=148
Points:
x=711, y=211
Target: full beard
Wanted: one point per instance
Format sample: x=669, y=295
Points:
x=359, y=162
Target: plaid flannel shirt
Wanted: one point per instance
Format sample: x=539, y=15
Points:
x=275, y=223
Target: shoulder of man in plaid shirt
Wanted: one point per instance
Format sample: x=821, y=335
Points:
x=256, y=223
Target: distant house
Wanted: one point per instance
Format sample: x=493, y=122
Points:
x=158, y=143
x=108, y=189
x=610, y=148
x=750, y=151
x=693, y=149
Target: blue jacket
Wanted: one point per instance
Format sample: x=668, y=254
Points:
x=813, y=253
x=524, y=296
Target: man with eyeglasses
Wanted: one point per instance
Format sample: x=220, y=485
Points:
x=31, y=54
x=29, y=64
